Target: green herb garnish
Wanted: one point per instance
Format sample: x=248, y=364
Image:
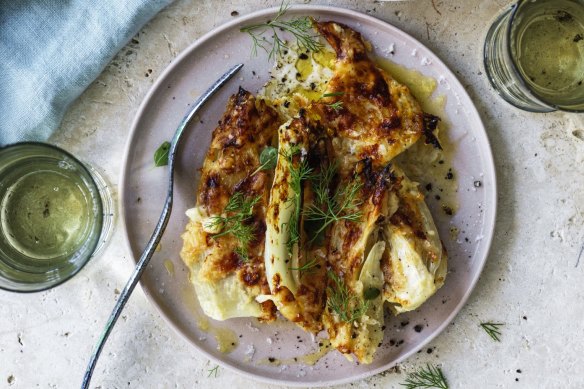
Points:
x=430, y=377
x=300, y=28
x=268, y=159
x=161, y=154
x=344, y=303
x=308, y=267
x=371, y=293
x=331, y=207
x=298, y=174
x=238, y=210
x=492, y=329
x=337, y=105
x=333, y=94
x=242, y=253
x=213, y=372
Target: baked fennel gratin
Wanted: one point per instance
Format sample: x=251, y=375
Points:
x=300, y=208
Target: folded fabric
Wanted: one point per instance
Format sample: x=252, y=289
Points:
x=50, y=51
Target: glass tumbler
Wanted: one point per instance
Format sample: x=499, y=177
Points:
x=54, y=215
x=534, y=55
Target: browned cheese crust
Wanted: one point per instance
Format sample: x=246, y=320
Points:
x=375, y=118
x=246, y=128
x=378, y=117
x=349, y=243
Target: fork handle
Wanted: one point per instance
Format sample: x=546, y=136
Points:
x=160, y=226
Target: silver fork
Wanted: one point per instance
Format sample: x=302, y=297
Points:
x=160, y=226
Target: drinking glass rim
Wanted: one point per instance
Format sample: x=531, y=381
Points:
x=98, y=199
x=514, y=9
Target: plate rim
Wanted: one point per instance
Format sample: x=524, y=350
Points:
x=489, y=224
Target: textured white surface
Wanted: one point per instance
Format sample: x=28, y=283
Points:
x=532, y=281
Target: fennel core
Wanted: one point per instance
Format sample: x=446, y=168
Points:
x=300, y=28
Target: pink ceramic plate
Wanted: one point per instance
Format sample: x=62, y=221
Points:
x=143, y=190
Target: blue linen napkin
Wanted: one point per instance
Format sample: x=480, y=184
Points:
x=51, y=50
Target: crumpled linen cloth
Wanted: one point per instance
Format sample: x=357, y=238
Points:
x=51, y=50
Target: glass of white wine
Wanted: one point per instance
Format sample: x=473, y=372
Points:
x=55, y=212
x=534, y=55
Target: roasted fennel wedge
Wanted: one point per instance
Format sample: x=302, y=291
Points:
x=223, y=244
x=295, y=268
x=415, y=262
x=353, y=316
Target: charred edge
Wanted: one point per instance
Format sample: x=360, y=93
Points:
x=212, y=181
x=232, y=142
x=391, y=123
x=430, y=124
x=250, y=277
x=378, y=90
x=259, y=228
x=241, y=96
x=375, y=182
x=209, y=189
x=384, y=179
x=388, y=174
x=251, y=184
x=339, y=39
x=374, y=178
x=367, y=172
x=318, y=153
x=326, y=29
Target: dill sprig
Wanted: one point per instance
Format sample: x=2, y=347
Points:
x=429, y=377
x=343, y=302
x=492, y=329
x=299, y=173
x=300, y=28
x=337, y=105
x=332, y=207
x=238, y=210
x=213, y=371
x=308, y=267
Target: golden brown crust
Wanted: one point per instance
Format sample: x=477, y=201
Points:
x=364, y=120
x=378, y=117
x=370, y=118
x=246, y=128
